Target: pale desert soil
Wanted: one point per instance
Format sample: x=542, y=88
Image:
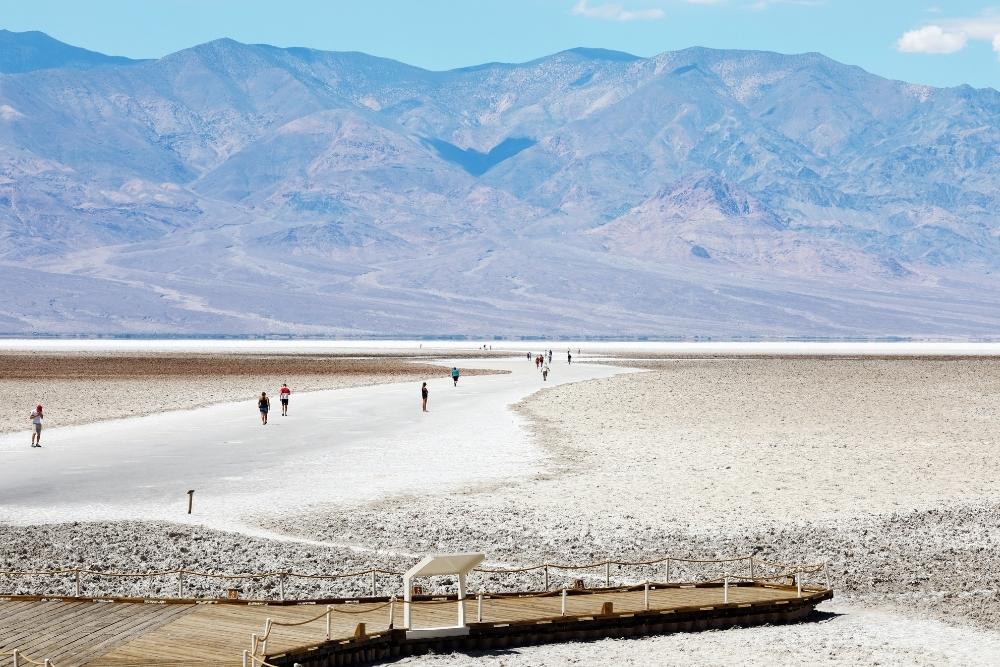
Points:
x=882, y=467
x=78, y=388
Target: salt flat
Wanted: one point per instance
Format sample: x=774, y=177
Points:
x=352, y=445
x=871, y=458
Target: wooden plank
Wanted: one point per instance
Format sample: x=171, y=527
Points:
x=134, y=635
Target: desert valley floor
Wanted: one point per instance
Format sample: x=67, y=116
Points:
x=879, y=463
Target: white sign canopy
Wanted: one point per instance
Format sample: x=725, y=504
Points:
x=433, y=566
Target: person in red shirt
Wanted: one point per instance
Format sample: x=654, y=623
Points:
x=283, y=395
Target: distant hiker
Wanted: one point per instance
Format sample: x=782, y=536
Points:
x=263, y=404
x=36, y=426
x=545, y=373
x=550, y=356
x=569, y=357
x=454, y=375
x=283, y=395
x=529, y=356
x=423, y=396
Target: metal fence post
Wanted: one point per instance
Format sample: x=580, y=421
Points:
x=562, y=609
x=607, y=574
x=373, y=583
x=479, y=607
x=281, y=587
x=753, y=574
x=725, y=590
x=16, y=664
x=78, y=583
x=180, y=583
x=798, y=584
x=668, y=571
x=645, y=595
x=546, y=570
x=392, y=611
x=328, y=608
x=245, y=654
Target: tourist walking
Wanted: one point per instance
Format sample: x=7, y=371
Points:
x=283, y=395
x=569, y=357
x=454, y=375
x=550, y=356
x=36, y=426
x=545, y=373
x=423, y=396
x=263, y=404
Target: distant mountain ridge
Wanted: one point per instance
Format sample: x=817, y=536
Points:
x=31, y=51
x=234, y=188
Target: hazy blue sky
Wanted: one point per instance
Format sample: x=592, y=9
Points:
x=940, y=42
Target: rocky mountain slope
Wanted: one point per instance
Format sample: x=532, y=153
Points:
x=234, y=188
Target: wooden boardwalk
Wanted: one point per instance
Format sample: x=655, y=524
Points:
x=133, y=634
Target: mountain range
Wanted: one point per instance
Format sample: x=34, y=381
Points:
x=236, y=189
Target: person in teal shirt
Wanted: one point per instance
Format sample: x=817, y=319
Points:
x=454, y=375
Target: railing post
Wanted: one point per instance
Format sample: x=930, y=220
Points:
x=281, y=587
x=725, y=590
x=328, y=613
x=753, y=574
x=373, y=583
x=668, y=571
x=562, y=607
x=180, y=583
x=479, y=607
x=78, y=583
x=245, y=654
x=798, y=584
x=392, y=611
x=253, y=644
x=607, y=574
x=267, y=633
x=16, y=664
x=645, y=595
x=46, y=663
x=546, y=570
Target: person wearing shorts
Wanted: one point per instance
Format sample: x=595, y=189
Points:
x=263, y=404
x=283, y=395
x=423, y=396
x=454, y=375
x=36, y=427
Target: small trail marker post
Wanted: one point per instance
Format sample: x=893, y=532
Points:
x=190, y=499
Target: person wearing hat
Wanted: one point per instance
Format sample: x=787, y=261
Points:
x=36, y=424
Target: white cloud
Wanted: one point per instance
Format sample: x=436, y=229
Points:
x=951, y=35
x=613, y=12
x=931, y=39
x=760, y=5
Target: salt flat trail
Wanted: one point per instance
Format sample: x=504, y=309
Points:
x=344, y=446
